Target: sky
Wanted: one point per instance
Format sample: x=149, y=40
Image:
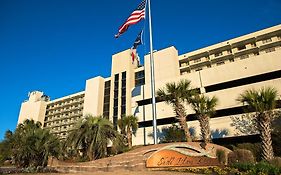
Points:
x=56, y=45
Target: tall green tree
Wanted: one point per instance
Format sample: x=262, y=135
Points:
x=177, y=95
x=128, y=125
x=91, y=136
x=262, y=102
x=32, y=145
x=6, y=147
x=204, y=108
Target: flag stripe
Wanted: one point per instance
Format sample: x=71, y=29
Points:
x=137, y=15
x=132, y=21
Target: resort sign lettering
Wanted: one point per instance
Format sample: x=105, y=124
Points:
x=181, y=156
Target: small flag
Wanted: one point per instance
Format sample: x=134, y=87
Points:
x=138, y=40
x=137, y=15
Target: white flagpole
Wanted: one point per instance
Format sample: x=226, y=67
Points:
x=152, y=77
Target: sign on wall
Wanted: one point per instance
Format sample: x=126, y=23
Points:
x=182, y=155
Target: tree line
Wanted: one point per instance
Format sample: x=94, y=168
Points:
x=31, y=145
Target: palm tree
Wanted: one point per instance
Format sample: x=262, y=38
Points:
x=176, y=94
x=91, y=136
x=32, y=145
x=128, y=125
x=262, y=102
x=204, y=107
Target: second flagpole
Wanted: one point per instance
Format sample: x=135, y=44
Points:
x=152, y=76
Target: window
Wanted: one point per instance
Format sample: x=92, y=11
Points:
x=124, y=75
x=123, y=93
x=198, y=69
x=218, y=54
x=115, y=102
x=244, y=57
x=231, y=60
x=123, y=110
x=197, y=60
x=123, y=83
x=139, y=78
x=241, y=47
x=220, y=63
x=266, y=40
x=106, y=102
x=183, y=64
x=269, y=50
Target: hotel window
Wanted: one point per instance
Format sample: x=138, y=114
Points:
x=218, y=54
x=266, y=40
x=106, y=101
x=197, y=60
x=269, y=50
x=198, y=69
x=241, y=47
x=123, y=93
x=244, y=57
x=115, y=104
x=139, y=78
x=220, y=63
x=183, y=64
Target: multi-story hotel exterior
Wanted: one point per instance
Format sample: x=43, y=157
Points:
x=223, y=70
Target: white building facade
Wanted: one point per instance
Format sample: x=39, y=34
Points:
x=223, y=70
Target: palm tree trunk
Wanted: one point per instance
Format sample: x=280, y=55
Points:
x=205, y=128
x=181, y=115
x=265, y=135
x=129, y=137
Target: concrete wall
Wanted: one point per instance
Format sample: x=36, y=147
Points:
x=94, y=93
x=34, y=108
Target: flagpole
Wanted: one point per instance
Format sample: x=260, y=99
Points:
x=152, y=77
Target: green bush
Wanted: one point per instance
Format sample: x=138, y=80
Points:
x=240, y=156
x=221, y=156
x=255, y=148
x=259, y=168
x=276, y=161
x=172, y=134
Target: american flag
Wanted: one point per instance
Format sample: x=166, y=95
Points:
x=137, y=15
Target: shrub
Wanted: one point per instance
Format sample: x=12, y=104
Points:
x=255, y=148
x=221, y=156
x=172, y=134
x=276, y=161
x=240, y=156
x=259, y=168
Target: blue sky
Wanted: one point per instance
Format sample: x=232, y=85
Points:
x=55, y=45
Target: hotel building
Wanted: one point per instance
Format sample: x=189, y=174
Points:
x=223, y=70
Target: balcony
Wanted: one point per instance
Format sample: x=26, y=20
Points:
x=249, y=48
x=199, y=62
x=216, y=57
x=269, y=43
